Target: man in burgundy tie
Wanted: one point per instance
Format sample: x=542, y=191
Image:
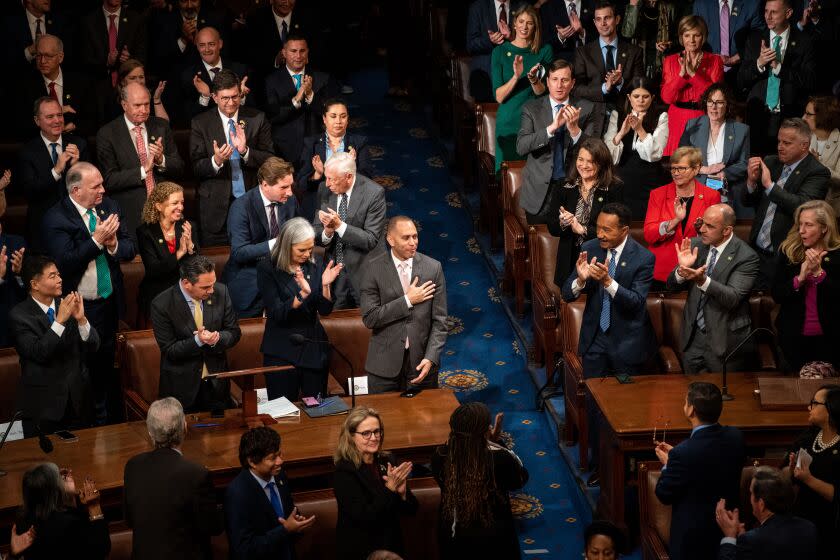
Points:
x=108, y=37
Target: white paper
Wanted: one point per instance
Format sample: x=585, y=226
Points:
x=278, y=408
x=360, y=385
x=803, y=459
x=15, y=434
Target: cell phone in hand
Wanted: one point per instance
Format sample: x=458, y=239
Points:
x=66, y=436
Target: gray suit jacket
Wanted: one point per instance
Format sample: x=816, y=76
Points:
x=533, y=142
x=365, y=224
x=727, y=307
x=736, y=147
x=386, y=312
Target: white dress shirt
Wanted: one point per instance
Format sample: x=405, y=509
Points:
x=650, y=149
x=87, y=285
x=499, y=10
x=59, y=150
x=226, y=128
x=202, y=100
x=720, y=249
x=117, y=13
x=343, y=227
x=410, y=264
x=613, y=287
x=33, y=25
x=714, y=149
x=268, y=210
x=59, y=85
x=58, y=328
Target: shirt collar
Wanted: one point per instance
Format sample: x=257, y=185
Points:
x=265, y=201
x=620, y=248
x=81, y=209
x=32, y=19
x=131, y=125
x=349, y=192
x=225, y=118
x=45, y=307
x=398, y=262
x=208, y=67
x=47, y=141
x=722, y=247
x=556, y=103
x=784, y=35
x=795, y=164
x=263, y=482
x=117, y=13
x=187, y=296
x=614, y=42
x=293, y=73
x=59, y=80
x=287, y=18
x=698, y=428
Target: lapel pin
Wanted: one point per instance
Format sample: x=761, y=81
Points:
x=797, y=173
x=296, y=26
x=101, y=212
x=242, y=123
x=202, y=20
x=125, y=19
x=793, y=43
x=160, y=241
x=209, y=302
x=623, y=263
x=67, y=96
x=623, y=55
x=731, y=137
x=826, y=259
x=508, y=53
x=729, y=258
x=700, y=196
x=49, y=22
x=600, y=199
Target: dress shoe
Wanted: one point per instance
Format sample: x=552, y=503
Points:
x=594, y=480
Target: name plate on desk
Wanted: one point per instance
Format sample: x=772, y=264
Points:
x=789, y=393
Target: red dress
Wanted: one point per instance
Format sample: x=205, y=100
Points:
x=661, y=208
x=679, y=90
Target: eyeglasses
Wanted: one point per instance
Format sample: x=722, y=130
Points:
x=810, y=114
x=229, y=98
x=698, y=223
x=679, y=169
x=368, y=434
x=716, y=103
x=814, y=403
x=664, y=431
x=45, y=55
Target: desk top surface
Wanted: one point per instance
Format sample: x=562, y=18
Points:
x=101, y=453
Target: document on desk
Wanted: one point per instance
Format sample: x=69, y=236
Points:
x=803, y=459
x=277, y=408
x=15, y=433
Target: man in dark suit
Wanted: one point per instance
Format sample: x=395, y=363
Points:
x=260, y=515
x=136, y=150
x=12, y=290
x=174, y=34
x=194, y=325
x=254, y=223
x=350, y=223
x=483, y=35
x=108, y=37
x=403, y=299
x=698, y=472
x=567, y=25
x=22, y=27
x=169, y=501
x=270, y=27
x=718, y=270
x=43, y=163
x=820, y=20
x=776, y=186
x=779, y=535
x=86, y=236
x=551, y=128
x=295, y=97
x=51, y=337
x=606, y=67
x=730, y=23
x=227, y=146
x=779, y=72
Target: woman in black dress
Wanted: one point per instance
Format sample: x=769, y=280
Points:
x=818, y=485
x=574, y=207
x=602, y=541
x=475, y=475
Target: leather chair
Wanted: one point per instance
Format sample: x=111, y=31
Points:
x=546, y=298
x=463, y=114
x=488, y=184
x=516, y=271
x=9, y=383
x=348, y=335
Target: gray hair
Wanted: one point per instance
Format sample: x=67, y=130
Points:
x=77, y=174
x=124, y=90
x=296, y=230
x=343, y=162
x=165, y=422
x=800, y=126
x=59, y=43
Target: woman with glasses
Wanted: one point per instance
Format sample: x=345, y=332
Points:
x=807, y=271
x=724, y=145
x=818, y=483
x=674, y=210
x=371, y=489
x=475, y=475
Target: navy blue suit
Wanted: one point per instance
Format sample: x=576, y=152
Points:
x=481, y=19
x=701, y=470
x=188, y=103
x=11, y=291
x=554, y=13
x=17, y=36
x=782, y=537
x=745, y=16
x=248, y=231
x=254, y=533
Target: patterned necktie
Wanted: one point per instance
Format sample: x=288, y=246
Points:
x=51, y=315
x=144, y=159
x=502, y=13
x=198, y=316
x=112, y=43
x=51, y=91
x=763, y=238
x=405, y=286
x=236, y=178
x=213, y=73
x=342, y=213
x=701, y=305
x=298, y=81
x=773, y=81
x=559, y=170
x=605, y=300
x=54, y=152
x=103, y=274
x=724, y=29
x=38, y=29
x=273, y=228
x=284, y=32
x=275, y=499
x=610, y=65
x=572, y=8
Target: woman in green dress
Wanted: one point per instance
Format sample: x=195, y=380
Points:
x=513, y=86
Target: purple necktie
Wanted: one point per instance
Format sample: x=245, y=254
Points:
x=724, y=28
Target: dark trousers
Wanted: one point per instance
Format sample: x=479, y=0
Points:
x=70, y=421
x=545, y=214
x=253, y=310
x=294, y=383
x=799, y=350
x=481, y=87
x=213, y=395
x=698, y=357
x=343, y=293
x=401, y=382
x=104, y=379
x=766, y=269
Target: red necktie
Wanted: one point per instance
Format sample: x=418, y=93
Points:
x=112, y=42
x=53, y=94
x=502, y=13
x=38, y=30
x=141, y=151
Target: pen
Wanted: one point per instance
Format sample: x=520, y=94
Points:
x=210, y=425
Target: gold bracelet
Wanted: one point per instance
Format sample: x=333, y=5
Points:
x=97, y=517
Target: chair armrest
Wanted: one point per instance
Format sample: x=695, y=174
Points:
x=573, y=367
x=134, y=400
x=514, y=229
x=669, y=361
x=334, y=388
x=544, y=304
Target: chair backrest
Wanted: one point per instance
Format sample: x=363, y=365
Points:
x=543, y=253
x=673, y=308
x=349, y=335
x=637, y=232
x=654, y=514
x=461, y=78
x=656, y=312
x=9, y=383
x=742, y=229
x=572, y=320
x=139, y=359
x=511, y=185
x=485, y=122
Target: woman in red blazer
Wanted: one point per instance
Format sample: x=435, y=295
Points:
x=673, y=210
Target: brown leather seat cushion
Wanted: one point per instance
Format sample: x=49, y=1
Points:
x=9, y=381
x=544, y=260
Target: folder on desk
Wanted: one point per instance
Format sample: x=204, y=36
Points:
x=328, y=407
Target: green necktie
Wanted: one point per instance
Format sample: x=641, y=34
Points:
x=772, y=79
x=103, y=273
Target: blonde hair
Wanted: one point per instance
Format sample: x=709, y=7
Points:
x=694, y=155
x=536, y=40
x=688, y=23
x=792, y=246
x=160, y=194
x=347, y=450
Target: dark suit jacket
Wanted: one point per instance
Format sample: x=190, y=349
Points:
x=727, y=304
x=76, y=93
x=70, y=534
x=117, y=154
x=93, y=41
x=188, y=104
x=305, y=187
x=254, y=533
x=12, y=291
x=248, y=232
x=798, y=76
x=215, y=189
x=745, y=16
x=165, y=56
x=481, y=19
x=590, y=70
x=17, y=36
x=782, y=537
x=365, y=225
x=736, y=148
x=160, y=267
x=53, y=368
x=170, y=504
x=265, y=38
x=289, y=125
x=368, y=513
x=553, y=13
x=809, y=181
x=385, y=311
x=39, y=186
x=180, y=357
x=701, y=470
x=68, y=240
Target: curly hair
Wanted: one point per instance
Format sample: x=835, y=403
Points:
x=468, y=475
x=159, y=195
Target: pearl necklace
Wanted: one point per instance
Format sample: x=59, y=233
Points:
x=819, y=446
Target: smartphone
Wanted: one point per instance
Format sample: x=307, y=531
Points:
x=310, y=402
x=66, y=436
x=714, y=183
x=411, y=393
x=624, y=379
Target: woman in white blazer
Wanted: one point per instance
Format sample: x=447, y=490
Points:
x=822, y=114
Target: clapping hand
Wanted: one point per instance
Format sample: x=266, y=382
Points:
x=6, y=178
x=159, y=91
x=599, y=272
x=613, y=78
x=504, y=29
x=572, y=116
x=534, y=73
x=210, y=338
x=518, y=66
x=758, y=173
x=21, y=542
x=156, y=151
x=583, y=268
x=302, y=282
x=201, y=86
x=106, y=229
x=766, y=56
x=329, y=219
x=296, y=522
x=238, y=137
x=679, y=211
x=221, y=153
x=495, y=37
x=728, y=521
x=66, y=308
x=663, y=46
x=17, y=260
x=245, y=90
x=185, y=246
x=124, y=54
x=496, y=428
x=564, y=32
x=812, y=265
x=88, y=495
x=686, y=256
x=330, y=273
x=318, y=166
x=306, y=86
x=79, y=309
x=395, y=479
x=662, y=450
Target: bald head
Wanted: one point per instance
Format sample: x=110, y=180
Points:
x=209, y=44
x=718, y=222
x=49, y=54
x=134, y=99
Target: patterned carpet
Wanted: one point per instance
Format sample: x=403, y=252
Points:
x=484, y=358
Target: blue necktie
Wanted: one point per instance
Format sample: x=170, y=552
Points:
x=559, y=171
x=54, y=152
x=235, y=164
x=275, y=498
x=51, y=315
x=298, y=82
x=763, y=238
x=605, y=301
x=701, y=314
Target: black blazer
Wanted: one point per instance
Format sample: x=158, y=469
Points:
x=554, y=13
x=93, y=41
x=188, y=104
x=40, y=188
x=170, y=504
x=76, y=93
x=16, y=35
x=368, y=513
x=278, y=289
x=69, y=534
x=12, y=292
x=165, y=56
x=254, y=533
x=791, y=302
x=701, y=470
x=53, y=367
x=590, y=69
x=160, y=267
x=265, y=38
x=782, y=537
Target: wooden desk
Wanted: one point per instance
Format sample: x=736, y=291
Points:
x=413, y=428
x=632, y=411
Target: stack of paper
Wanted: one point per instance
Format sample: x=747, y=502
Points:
x=15, y=433
x=277, y=408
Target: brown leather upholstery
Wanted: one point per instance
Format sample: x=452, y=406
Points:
x=9, y=381
x=122, y=537
x=490, y=214
x=546, y=298
x=516, y=272
x=463, y=114
x=348, y=334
